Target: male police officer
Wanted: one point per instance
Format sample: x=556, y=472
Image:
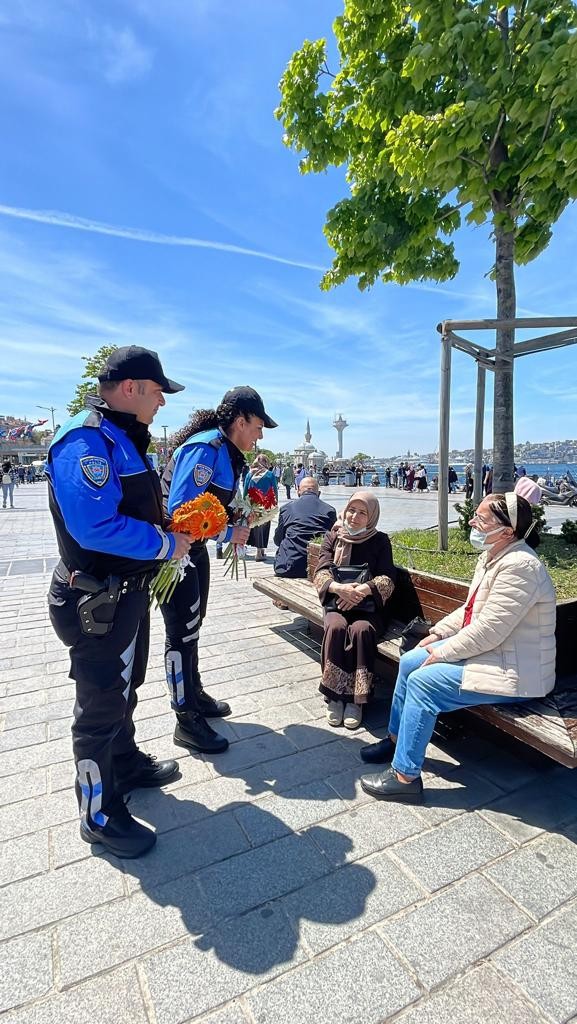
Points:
x=106, y=503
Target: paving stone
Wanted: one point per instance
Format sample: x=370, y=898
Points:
x=481, y=997
x=35, y=902
x=22, y=857
x=260, y=875
x=67, y=846
x=313, y=734
x=455, y=929
x=59, y=710
x=245, y=753
x=118, y=999
x=20, y=701
x=224, y=963
x=452, y=850
x=460, y=790
x=25, y=969
x=541, y=876
x=16, y=739
x=61, y=776
x=332, y=909
x=273, y=718
x=531, y=810
x=347, y=785
x=329, y=991
x=232, y=1014
x=305, y=766
x=184, y=805
x=185, y=850
x=364, y=830
x=110, y=935
x=288, y=812
x=17, y=819
x=509, y=772
x=542, y=964
x=59, y=728
x=23, y=760
x=23, y=786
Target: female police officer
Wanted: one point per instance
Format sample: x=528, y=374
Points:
x=209, y=457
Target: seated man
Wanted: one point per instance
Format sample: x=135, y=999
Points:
x=300, y=521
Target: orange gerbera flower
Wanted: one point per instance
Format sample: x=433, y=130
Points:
x=202, y=517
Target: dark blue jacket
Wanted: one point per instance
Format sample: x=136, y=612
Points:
x=104, y=494
x=299, y=521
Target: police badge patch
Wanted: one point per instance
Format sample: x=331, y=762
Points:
x=95, y=469
x=202, y=474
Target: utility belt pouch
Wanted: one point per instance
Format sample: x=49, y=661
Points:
x=98, y=595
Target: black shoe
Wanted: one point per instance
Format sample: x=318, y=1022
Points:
x=379, y=753
x=219, y=553
x=388, y=787
x=146, y=771
x=193, y=731
x=208, y=707
x=122, y=835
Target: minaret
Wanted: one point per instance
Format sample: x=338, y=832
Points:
x=308, y=434
x=339, y=424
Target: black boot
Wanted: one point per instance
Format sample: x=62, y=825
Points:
x=379, y=753
x=193, y=731
x=219, y=553
x=145, y=771
x=122, y=835
x=208, y=707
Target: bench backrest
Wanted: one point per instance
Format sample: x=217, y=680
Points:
x=430, y=597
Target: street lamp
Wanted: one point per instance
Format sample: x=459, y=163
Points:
x=51, y=409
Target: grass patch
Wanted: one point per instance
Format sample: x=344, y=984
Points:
x=417, y=549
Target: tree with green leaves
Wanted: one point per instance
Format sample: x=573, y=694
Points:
x=361, y=457
x=89, y=381
x=441, y=108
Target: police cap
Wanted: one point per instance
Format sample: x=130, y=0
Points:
x=135, y=363
x=249, y=400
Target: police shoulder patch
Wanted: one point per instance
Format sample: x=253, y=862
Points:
x=95, y=469
x=202, y=474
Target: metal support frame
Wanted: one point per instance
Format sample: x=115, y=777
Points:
x=485, y=359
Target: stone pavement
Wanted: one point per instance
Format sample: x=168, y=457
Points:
x=277, y=889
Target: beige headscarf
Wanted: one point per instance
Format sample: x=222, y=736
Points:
x=344, y=544
x=260, y=466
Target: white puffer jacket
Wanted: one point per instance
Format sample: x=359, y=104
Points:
x=509, y=645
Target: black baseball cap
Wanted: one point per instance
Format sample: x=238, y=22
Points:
x=249, y=400
x=135, y=363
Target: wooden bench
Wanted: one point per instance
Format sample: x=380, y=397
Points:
x=549, y=723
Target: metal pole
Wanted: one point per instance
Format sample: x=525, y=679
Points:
x=165, y=442
x=479, y=422
x=444, y=415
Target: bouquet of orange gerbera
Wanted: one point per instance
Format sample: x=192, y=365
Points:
x=202, y=517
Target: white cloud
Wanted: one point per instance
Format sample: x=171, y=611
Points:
x=125, y=58
x=66, y=220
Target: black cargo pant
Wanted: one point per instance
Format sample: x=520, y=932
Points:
x=183, y=616
x=107, y=671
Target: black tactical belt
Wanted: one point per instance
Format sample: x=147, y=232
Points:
x=90, y=585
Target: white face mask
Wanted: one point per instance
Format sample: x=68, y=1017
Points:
x=352, y=532
x=480, y=540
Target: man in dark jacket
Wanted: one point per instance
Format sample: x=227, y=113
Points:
x=300, y=521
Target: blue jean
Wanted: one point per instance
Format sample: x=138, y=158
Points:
x=420, y=695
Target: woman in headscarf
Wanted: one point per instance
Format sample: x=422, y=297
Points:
x=261, y=476
x=355, y=613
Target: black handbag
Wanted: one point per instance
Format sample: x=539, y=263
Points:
x=416, y=630
x=351, y=574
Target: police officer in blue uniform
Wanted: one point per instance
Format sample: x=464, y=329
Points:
x=208, y=456
x=106, y=503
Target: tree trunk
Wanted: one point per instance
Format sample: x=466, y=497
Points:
x=503, y=440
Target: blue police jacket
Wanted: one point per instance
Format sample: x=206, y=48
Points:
x=207, y=461
x=105, y=495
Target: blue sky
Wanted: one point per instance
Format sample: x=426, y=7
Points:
x=155, y=120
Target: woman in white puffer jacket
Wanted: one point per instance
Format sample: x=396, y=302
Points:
x=499, y=647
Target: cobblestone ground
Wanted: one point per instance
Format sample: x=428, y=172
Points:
x=277, y=890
